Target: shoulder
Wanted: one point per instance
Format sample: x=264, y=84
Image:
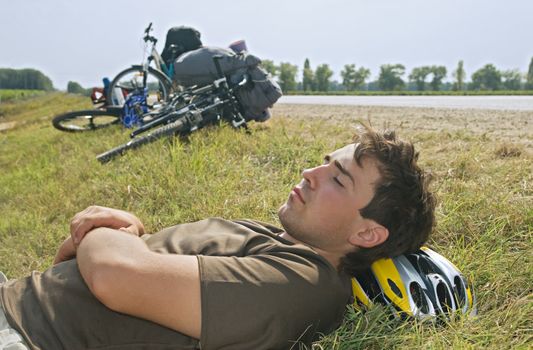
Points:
x=288, y=292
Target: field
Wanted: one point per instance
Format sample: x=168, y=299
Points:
x=417, y=93
x=16, y=95
x=481, y=162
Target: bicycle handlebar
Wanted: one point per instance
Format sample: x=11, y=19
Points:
x=148, y=29
x=147, y=36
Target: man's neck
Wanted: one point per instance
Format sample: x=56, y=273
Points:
x=333, y=258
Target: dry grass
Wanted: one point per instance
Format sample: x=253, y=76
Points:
x=481, y=161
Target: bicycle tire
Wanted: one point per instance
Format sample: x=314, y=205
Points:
x=167, y=130
x=131, y=76
x=86, y=120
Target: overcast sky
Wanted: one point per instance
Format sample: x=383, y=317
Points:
x=84, y=41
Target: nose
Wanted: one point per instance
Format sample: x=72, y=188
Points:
x=312, y=176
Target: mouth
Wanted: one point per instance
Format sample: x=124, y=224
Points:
x=298, y=193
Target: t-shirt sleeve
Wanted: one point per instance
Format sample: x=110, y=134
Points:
x=267, y=301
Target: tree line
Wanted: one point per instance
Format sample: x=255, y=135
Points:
x=392, y=78
x=32, y=79
x=25, y=79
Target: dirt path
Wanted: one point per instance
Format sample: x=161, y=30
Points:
x=507, y=126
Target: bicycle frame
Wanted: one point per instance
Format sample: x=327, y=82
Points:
x=217, y=101
x=216, y=94
x=155, y=57
x=160, y=65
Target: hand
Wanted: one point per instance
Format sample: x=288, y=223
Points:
x=66, y=251
x=96, y=216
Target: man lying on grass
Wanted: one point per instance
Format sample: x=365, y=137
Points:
x=229, y=284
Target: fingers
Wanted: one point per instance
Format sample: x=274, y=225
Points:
x=66, y=251
x=130, y=229
x=85, y=221
x=96, y=216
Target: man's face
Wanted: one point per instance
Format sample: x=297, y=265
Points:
x=323, y=209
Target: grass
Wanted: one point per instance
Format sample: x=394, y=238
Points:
x=485, y=212
x=416, y=93
x=7, y=95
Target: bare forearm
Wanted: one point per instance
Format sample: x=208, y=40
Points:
x=127, y=277
x=103, y=251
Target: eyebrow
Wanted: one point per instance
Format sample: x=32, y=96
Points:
x=342, y=169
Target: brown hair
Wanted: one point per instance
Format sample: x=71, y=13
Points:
x=402, y=201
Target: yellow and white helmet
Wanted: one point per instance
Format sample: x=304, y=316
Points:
x=423, y=284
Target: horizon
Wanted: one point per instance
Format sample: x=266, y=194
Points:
x=99, y=39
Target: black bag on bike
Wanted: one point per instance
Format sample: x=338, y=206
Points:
x=184, y=39
x=197, y=68
x=261, y=95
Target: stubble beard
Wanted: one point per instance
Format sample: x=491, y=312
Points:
x=292, y=224
x=289, y=221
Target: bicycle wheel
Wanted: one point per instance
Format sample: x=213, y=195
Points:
x=86, y=120
x=157, y=84
x=167, y=130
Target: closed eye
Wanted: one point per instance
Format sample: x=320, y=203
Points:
x=338, y=182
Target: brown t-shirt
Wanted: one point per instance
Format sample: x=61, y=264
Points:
x=258, y=291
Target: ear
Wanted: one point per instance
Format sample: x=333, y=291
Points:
x=373, y=235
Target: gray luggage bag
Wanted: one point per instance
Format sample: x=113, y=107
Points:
x=197, y=68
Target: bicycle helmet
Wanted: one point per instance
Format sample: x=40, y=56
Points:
x=423, y=284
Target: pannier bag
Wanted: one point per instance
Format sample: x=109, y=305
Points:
x=197, y=68
x=264, y=93
x=184, y=40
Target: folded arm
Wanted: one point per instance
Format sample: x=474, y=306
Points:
x=93, y=217
x=127, y=277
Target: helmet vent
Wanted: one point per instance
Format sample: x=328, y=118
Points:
x=444, y=297
x=394, y=288
x=459, y=288
x=424, y=266
x=418, y=297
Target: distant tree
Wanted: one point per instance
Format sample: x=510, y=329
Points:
x=270, y=67
x=512, y=79
x=439, y=73
x=459, y=75
x=447, y=86
x=322, y=75
x=75, y=88
x=418, y=76
x=24, y=79
x=334, y=85
x=529, y=76
x=308, y=79
x=486, y=78
x=348, y=75
x=390, y=77
x=287, y=76
x=361, y=75
x=372, y=86
x=353, y=79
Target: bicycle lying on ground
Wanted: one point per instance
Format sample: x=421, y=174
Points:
x=239, y=92
x=188, y=111
x=132, y=92
x=129, y=114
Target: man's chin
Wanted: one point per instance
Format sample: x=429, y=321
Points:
x=283, y=214
x=281, y=210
